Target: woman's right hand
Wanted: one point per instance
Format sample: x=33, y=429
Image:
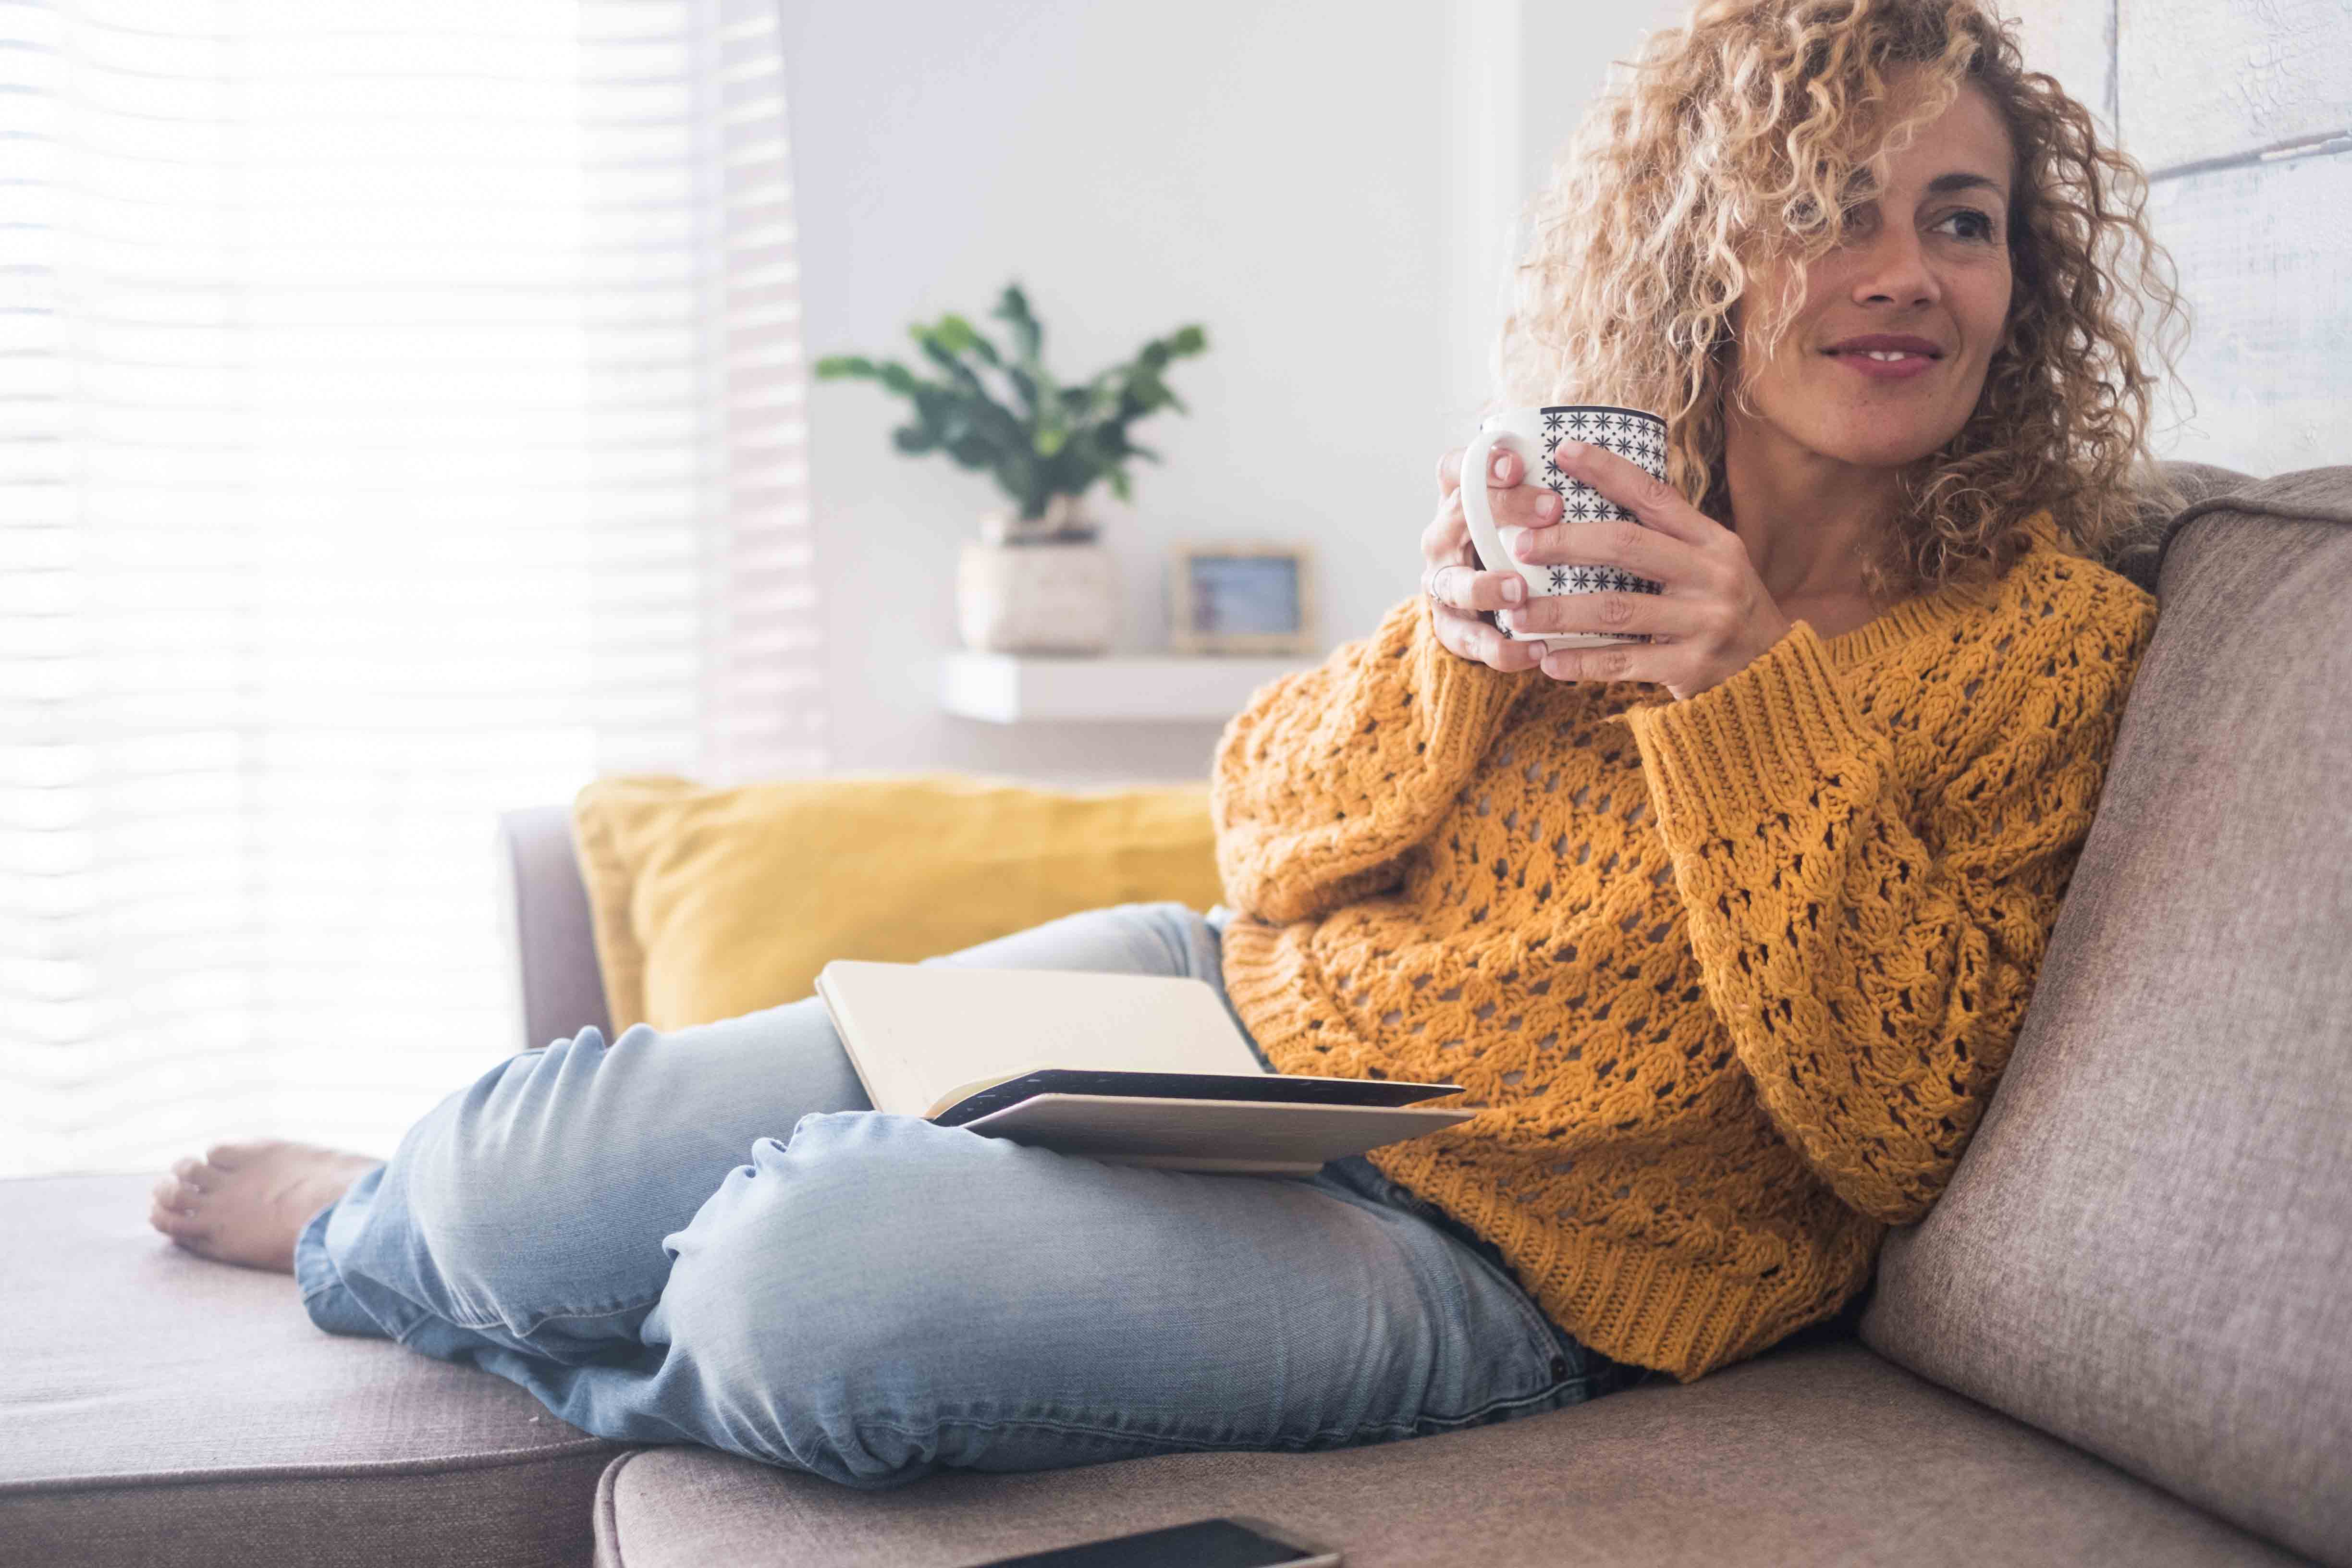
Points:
x=1450, y=574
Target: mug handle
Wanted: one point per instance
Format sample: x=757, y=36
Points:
x=1480, y=515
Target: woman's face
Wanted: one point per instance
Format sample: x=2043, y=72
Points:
x=1883, y=363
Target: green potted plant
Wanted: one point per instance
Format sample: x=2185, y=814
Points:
x=1039, y=580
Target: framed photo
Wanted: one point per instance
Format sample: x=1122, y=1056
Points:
x=1241, y=599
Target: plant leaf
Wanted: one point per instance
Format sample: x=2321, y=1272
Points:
x=958, y=336
x=1026, y=385
x=1028, y=337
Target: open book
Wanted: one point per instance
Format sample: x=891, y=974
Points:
x=1131, y=1069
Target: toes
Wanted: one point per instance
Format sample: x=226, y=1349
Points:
x=176, y=1225
x=189, y=1171
x=229, y=1156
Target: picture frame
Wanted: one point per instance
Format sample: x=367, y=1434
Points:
x=1241, y=597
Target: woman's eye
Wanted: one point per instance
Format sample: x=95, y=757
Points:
x=1973, y=225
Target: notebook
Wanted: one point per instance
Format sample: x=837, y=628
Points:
x=1129, y=1069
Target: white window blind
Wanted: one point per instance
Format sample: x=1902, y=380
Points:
x=399, y=423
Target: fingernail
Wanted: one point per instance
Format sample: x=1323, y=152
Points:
x=1513, y=539
x=1548, y=503
x=1502, y=465
x=1514, y=590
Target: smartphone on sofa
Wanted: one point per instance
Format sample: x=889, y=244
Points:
x=1233, y=1542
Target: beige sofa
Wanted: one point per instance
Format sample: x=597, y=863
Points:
x=2124, y=1337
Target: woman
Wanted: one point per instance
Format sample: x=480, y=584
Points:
x=1726, y=934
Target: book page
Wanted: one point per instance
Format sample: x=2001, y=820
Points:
x=916, y=1031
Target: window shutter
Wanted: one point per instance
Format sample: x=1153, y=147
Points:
x=400, y=421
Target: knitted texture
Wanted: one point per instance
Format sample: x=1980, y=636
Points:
x=1729, y=980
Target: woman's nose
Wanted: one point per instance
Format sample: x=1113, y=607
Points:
x=1895, y=270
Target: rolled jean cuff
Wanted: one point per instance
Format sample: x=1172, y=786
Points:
x=325, y=1297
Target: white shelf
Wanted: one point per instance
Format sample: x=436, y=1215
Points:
x=1016, y=689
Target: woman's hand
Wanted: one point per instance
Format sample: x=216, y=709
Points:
x=1450, y=575
x=1716, y=613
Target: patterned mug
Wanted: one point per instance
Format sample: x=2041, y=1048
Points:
x=1535, y=434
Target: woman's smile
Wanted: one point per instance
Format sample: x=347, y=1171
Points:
x=1888, y=356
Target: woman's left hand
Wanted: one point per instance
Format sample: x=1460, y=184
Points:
x=1716, y=611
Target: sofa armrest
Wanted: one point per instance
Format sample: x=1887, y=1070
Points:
x=548, y=938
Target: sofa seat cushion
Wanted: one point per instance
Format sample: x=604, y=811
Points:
x=157, y=1409
x=2146, y=1249
x=1823, y=1455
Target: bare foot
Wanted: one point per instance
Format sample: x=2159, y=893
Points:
x=246, y=1203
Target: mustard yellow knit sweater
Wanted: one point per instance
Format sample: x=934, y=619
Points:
x=1729, y=980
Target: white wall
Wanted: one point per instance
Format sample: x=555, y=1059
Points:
x=2237, y=111
x=1319, y=185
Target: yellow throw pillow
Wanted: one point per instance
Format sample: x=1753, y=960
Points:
x=711, y=903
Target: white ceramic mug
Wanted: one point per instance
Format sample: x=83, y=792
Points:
x=1633, y=434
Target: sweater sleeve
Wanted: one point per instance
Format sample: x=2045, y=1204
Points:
x=1873, y=974
x=1330, y=776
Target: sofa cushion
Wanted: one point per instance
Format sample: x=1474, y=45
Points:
x=2145, y=1250
x=710, y=902
x=159, y=1409
x=2137, y=550
x=1823, y=1455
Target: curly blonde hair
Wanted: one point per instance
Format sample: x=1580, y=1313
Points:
x=1750, y=131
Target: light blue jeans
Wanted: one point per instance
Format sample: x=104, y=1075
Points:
x=709, y=1236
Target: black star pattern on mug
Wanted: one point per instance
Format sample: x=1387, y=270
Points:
x=1552, y=421
x=1559, y=485
x=1558, y=579
x=1551, y=445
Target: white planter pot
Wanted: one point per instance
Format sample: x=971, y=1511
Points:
x=1037, y=598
